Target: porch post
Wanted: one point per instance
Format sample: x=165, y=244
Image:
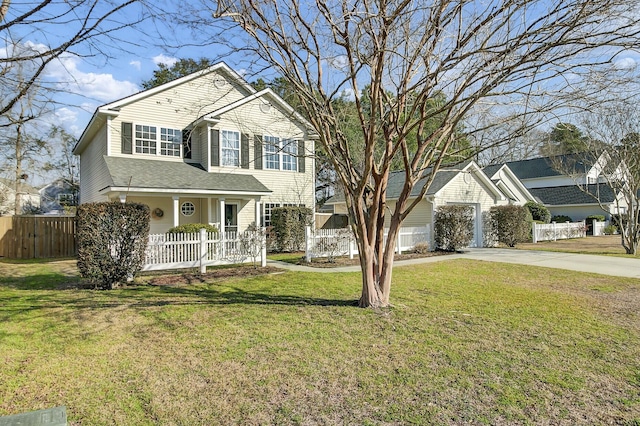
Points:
x=222, y=224
x=176, y=211
x=123, y=198
x=258, y=208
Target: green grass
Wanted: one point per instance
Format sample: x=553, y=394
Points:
x=465, y=342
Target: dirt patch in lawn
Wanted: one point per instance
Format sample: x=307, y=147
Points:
x=606, y=244
x=185, y=278
x=323, y=262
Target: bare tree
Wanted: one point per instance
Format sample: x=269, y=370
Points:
x=34, y=34
x=508, y=57
x=612, y=136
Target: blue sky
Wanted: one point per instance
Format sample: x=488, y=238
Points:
x=117, y=68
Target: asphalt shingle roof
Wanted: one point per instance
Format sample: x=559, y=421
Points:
x=145, y=173
x=571, y=194
x=397, y=179
x=543, y=166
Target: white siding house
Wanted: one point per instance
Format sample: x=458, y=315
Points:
x=204, y=148
x=465, y=184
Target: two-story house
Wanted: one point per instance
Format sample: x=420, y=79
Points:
x=205, y=148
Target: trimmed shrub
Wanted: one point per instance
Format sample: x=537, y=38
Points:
x=453, y=227
x=610, y=230
x=112, y=238
x=538, y=212
x=287, y=227
x=595, y=217
x=510, y=224
x=561, y=218
x=190, y=228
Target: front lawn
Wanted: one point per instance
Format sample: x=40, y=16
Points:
x=609, y=245
x=465, y=342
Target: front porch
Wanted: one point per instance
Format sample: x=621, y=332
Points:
x=227, y=213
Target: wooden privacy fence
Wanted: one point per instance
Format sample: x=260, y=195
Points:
x=27, y=237
x=199, y=250
x=341, y=242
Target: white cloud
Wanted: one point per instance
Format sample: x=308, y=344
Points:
x=136, y=64
x=625, y=64
x=163, y=59
x=101, y=86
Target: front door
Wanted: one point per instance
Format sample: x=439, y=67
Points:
x=231, y=217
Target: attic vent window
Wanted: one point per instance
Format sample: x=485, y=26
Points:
x=220, y=82
x=265, y=108
x=187, y=208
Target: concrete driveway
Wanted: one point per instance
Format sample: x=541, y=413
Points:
x=607, y=265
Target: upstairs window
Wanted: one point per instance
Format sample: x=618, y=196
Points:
x=230, y=146
x=271, y=153
x=289, y=155
x=170, y=141
x=147, y=141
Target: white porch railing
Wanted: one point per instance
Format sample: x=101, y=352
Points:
x=199, y=250
x=558, y=231
x=341, y=242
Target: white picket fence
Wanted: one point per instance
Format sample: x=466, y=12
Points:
x=199, y=250
x=598, y=228
x=558, y=231
x=341, y=242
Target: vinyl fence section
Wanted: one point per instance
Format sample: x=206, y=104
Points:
x=341, y=242
x=199, y=250
x=598, y=228
x=558, y=231
x=37, y=236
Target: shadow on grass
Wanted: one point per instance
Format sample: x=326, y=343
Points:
x=142, y=297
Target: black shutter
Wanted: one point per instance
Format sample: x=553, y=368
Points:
x=186, y=143
x=257, y=152
x=301, y=157
x=215, y=147
x=244, y=151
x=126, y=138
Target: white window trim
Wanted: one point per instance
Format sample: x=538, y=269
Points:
x=221, y=148
x=280, y=152
x=158, y=141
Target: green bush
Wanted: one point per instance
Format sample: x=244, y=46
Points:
x=453, y=227
x=596, y=217
x=190, y=228
x=288, y=227
x=538, y=212
x=610, y=229
x=112, y=239
x=561, y=218
x=510, y=224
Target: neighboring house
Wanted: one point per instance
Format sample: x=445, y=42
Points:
x=502, y=176
x=560, y=193
x=28, y=196
x=205, y=148
x=465, y=184
x=57, y=196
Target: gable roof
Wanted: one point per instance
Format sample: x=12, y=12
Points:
x=572, y=195
x=496, y=173
x=112, y=108
x=543, y=166
x=440, y=181
x=141, y=174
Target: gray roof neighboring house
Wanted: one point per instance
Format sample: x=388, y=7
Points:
x=397, y=180
x=572, y=195
x=543, y=166
x=137, y=173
